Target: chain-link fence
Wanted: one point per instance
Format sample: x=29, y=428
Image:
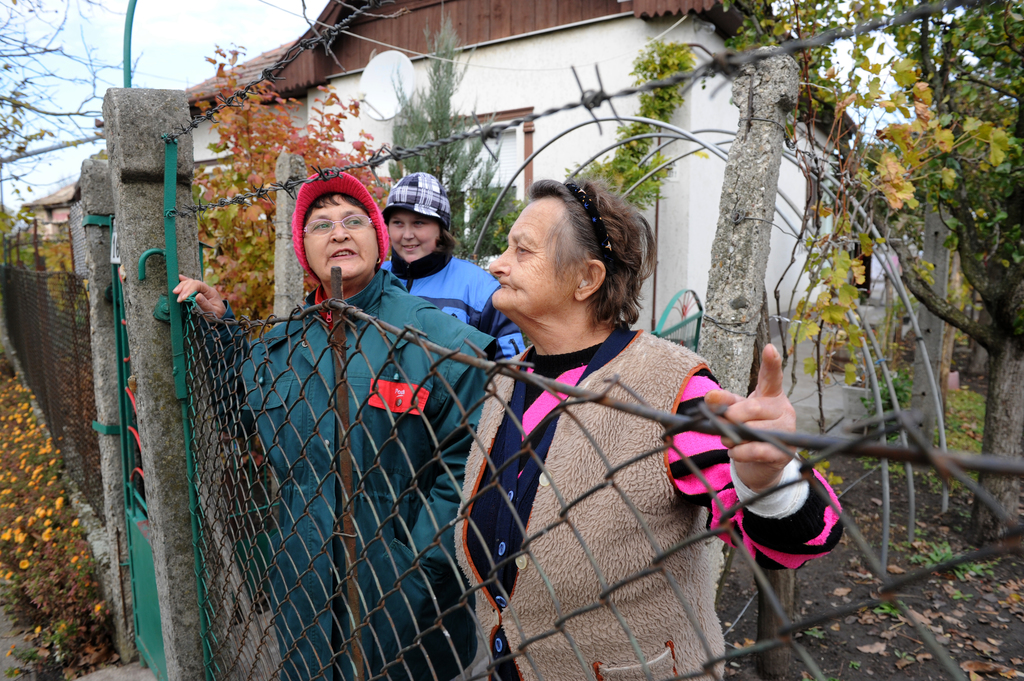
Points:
x=375, y=504
x=47, y=316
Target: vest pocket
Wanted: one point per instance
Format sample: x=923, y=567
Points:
x=662, y=666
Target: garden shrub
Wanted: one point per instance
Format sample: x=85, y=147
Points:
x=47, y=570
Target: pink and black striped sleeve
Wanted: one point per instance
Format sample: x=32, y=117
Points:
x=777, y=543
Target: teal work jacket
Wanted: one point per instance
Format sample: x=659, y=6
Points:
x=416, y=623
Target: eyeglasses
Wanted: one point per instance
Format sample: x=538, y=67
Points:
x=352, y=223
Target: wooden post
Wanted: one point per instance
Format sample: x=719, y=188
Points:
x=345, y=482
x=931, y=325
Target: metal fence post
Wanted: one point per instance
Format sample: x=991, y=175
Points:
x=288, y=274
x=97, y=211
x=135, y=121
x=765, y=93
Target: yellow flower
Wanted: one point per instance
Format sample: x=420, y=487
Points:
x=74, y=523
x=38, y=629
x=59, y=503
x=6, y=536
x=47, y=534
x=99, y=607
x=74, y=559
x=23, y=565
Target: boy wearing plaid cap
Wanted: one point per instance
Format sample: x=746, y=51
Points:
x=418, y=217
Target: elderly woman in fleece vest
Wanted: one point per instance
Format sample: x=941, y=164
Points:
x=540, y=547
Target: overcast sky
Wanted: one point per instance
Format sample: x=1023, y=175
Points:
x=170, y=42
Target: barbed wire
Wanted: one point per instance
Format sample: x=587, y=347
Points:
x=710, y=423
x=270, y=73
x=725, y=63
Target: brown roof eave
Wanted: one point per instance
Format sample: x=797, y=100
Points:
x=728, y=22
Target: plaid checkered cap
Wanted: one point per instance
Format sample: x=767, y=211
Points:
x=421, y=193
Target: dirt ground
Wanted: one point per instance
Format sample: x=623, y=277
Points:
x=976, y=613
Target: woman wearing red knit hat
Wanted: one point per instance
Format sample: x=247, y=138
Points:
x=409, y=443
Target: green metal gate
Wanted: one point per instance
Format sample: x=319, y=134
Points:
x=145, y=605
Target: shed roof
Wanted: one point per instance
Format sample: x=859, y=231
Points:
x=63, y=196
x=247, y=71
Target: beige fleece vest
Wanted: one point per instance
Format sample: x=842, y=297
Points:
x=600, y=542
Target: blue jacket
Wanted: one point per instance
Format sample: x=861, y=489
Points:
x=409, y=470
x=464, y=291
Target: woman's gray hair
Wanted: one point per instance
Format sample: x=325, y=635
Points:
x=573, y=242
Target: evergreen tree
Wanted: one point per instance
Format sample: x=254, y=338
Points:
x=430, y=115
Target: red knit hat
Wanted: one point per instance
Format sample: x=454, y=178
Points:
x=343, y=184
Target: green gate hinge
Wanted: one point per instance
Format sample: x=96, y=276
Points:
x=162, y=310
x=97, y=220
x=104, y=429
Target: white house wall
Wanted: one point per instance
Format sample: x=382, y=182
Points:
x=532, y=71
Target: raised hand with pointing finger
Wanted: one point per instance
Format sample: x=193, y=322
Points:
x=759, y=464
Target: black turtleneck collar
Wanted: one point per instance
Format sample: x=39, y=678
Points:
x=424, y=267
x=553, y=366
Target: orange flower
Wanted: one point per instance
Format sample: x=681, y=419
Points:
x=23, y=565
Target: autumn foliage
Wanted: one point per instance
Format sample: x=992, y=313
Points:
x=250, y=139
x=48, y=571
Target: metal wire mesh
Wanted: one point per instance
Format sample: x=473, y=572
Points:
x=47, y=315
x=339, y=536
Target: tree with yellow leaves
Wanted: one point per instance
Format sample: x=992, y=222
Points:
x=926, y=114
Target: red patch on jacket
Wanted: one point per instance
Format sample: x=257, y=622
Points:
x=400, y=398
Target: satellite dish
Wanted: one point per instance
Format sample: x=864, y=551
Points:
x=384, y=77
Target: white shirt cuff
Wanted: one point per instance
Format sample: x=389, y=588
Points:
x=780, y=504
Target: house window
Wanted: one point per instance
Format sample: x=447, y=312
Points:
x=508, y=158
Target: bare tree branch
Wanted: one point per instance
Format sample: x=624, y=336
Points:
x=939, y=306
x=26, y=105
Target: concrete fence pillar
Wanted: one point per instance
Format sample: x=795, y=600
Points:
x=97, y=208
x=765, y=93
x=135, y=120
x=288, y=274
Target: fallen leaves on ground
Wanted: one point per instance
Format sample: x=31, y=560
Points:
x=984, y=667
x=876, y=648
x=984, y=647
